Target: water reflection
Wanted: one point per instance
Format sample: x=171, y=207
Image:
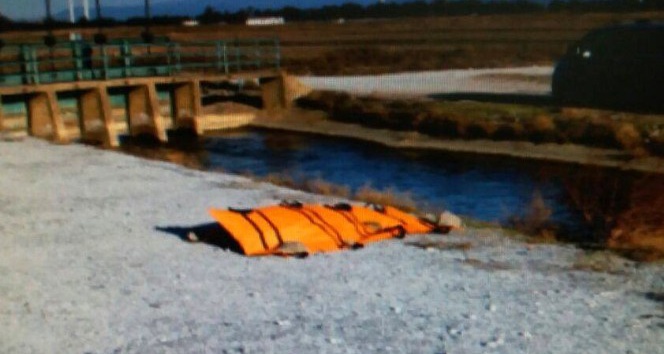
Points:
x=184, y=151
x=485, y=188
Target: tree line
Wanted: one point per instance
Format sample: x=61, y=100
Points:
x=353, y=11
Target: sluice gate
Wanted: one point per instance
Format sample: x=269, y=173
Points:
x=97, y=92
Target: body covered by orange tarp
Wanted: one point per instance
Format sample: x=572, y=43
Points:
x=315, y=228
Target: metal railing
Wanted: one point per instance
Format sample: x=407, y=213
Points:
x=25, y=64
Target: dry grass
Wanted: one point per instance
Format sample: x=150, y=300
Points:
x=630, y=139
x=626, y=215
x=277, y=179
x=436, y=42
x=655, y=141
x=598, y=197
x=640, y=135
x=536, y=223
x=366, y=193
x=540, y=128
x=373, y=46
x=320, y=186
x=638, y=231
x=389, y=196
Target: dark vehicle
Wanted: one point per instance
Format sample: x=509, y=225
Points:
x=618, y=67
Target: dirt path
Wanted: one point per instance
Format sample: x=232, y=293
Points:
x=526, y=81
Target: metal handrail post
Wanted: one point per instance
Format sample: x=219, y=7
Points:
x=178, y=58
x=80, y=60
x=277, y=53
x=125, y=52
x=169, y=55
x=237, y=57
x=26, y=66
x=104, y=59
x=257, y=53
x=34, y=62
x=29, y=65
x=225, y=50
x=77, y=57
x=219, y=55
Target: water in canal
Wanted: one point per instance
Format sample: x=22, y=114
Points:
x=492, y=189
x=486, y=188
x=481, y=189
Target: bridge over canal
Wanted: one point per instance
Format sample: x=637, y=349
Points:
x=77, y=89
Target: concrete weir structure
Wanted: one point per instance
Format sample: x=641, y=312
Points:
x=119, y=72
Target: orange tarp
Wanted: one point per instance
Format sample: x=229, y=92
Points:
x=315, y=228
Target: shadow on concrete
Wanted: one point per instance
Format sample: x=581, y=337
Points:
x=529, y=99
x=143, y=140
x=211, y=233
x=602, y=103
x=255, y=101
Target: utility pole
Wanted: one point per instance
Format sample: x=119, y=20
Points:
x=72, y=17
x=49, y=39
x=98, y=8
x=49, y=18
x=147, y=36
x=100, y=37
x=148, y=16
x=86, y=10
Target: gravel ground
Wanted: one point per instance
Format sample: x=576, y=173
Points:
x=85, y=267
x=525, y=80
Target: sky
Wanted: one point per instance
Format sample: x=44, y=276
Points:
x=35, y=9
x=31, y=9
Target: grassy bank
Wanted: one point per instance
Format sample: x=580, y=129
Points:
x=626, y=215
x=640, y=135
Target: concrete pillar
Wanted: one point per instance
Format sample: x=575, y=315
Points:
x=143, y=109
x=273, y=91
x=97, y=117
x=44, y=117
x=187, y=109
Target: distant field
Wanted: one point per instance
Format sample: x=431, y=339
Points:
x=378, y=46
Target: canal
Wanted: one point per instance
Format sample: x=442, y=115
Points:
x=485, y=188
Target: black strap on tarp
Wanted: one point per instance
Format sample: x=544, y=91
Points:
x=272, y=225
x=245, y=215
x=336, y=237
